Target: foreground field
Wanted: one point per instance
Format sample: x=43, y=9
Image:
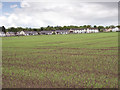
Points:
x=61, y=61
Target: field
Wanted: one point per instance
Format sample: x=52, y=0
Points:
x=60, y=61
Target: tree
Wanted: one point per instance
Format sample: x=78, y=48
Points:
x=27, y=29
x=112, y=26
x=88, y=26
x=95, y=26
x=48, y=28
x=19, y=28
x=41, y=29
x=65, y=27
x=3, y=29
x=100, y=28
x=107, y=27
x=11, y=29
x=53, y=33
x=80, y=27
x=118, y=26
x=85, y=26
x=34, y=29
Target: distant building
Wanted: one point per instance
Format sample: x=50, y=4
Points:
x=62, y=31
x=74, y=30
x=26, y=33
x=115, y=29
x=34, y=33
x=108, y=30
x=70, y=31
x=88, y=30
x=21, y=33
x=30, y=33
x=112, y=29
x=18, y=33
x=2, y=34
x=46, y=32
x=10, y=34
x=92, y=30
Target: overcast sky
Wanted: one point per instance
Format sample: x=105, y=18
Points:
x=42, y=14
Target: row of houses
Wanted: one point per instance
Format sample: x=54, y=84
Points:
x=71, y=31
x=112, y=29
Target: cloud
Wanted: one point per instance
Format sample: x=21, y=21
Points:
x=40, y=14
x=25, y=4
x=13, y=6
x=0, y=5
x=7, y=14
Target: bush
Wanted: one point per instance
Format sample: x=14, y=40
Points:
x=53, y=33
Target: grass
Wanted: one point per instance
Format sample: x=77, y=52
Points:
x=61, y=61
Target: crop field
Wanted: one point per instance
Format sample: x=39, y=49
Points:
x=60, y=61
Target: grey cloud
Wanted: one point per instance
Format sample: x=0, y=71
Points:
x=69, y=13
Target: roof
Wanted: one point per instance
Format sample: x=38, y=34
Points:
x=52, y=30
x=29, y=32
x=46, y=31
x=62, y=30
x=81, y=28
x=77, y=29
x=11, y=32
x=34, y=32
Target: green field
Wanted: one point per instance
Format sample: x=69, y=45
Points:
x=61, y=61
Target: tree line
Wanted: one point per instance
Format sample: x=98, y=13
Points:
x=49, y=28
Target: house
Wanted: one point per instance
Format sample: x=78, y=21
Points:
x=34, y=33
x=115, y=29
x=26, y=33
x=88, y=30
x=46, y=32
x=62, y=31
x=96, y=30
x=2, y=34
x=77, y=30
x=10, y=34
x=112, y=29
x=72, y=31
x=18, y=33
x=21, y=33
x=30, y=33
x=92, y=30
x=108, y=30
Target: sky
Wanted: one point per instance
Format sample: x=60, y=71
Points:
x=42, y=14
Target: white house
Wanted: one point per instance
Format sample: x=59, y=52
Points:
x=92, y=30
x=20, y=33
x=115, y=29
x=96, y=30
x=77, y=30
x=62, y=31
x=2, y=34
x=88, y=30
